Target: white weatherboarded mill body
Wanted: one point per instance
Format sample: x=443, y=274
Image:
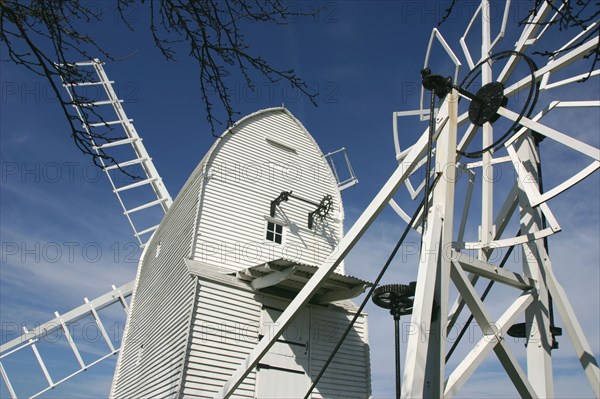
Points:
x=221, y=267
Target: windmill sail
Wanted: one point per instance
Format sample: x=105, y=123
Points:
x=61, y=326
x=119, y=149
x=133, y=177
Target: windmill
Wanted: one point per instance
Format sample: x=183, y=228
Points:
x=266, y=175
x=424, y=371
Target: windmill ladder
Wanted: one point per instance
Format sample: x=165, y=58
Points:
x=151, y=177
x=60, y=325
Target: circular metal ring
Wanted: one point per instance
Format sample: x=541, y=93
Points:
x=528, y=107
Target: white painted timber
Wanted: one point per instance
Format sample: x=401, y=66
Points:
x=155, y=338
x=348, y=375
x=228, y=322
x=261, y=156
x=224, y=330
x=192, y=321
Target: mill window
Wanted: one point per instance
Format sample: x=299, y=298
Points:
x=274, y=232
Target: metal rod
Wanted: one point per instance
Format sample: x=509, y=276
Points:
x=303, y=199
x=398, y=374
x=468, y=94
x=428, y=168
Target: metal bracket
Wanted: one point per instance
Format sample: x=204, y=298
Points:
x=323, y=207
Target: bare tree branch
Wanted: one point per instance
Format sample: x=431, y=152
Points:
x=571, y=15
x=47, y=37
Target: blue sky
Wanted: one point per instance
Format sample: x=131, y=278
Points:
x=63, y=237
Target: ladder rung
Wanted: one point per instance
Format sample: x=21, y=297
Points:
x=95, y=61
x=109, y=123
x=128, y=163
x=141, y=233
x=148, y=205
x=96, y=103
x=136, y=184
x=116, y=143
x=101, y=82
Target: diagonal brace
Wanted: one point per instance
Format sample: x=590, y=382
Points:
x=483, y=318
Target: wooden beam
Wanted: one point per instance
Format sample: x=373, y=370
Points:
x=339, y=295
x=493, y=272
x=493, y=338
x=273, y=278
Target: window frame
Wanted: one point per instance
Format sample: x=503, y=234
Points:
x=274, y=232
